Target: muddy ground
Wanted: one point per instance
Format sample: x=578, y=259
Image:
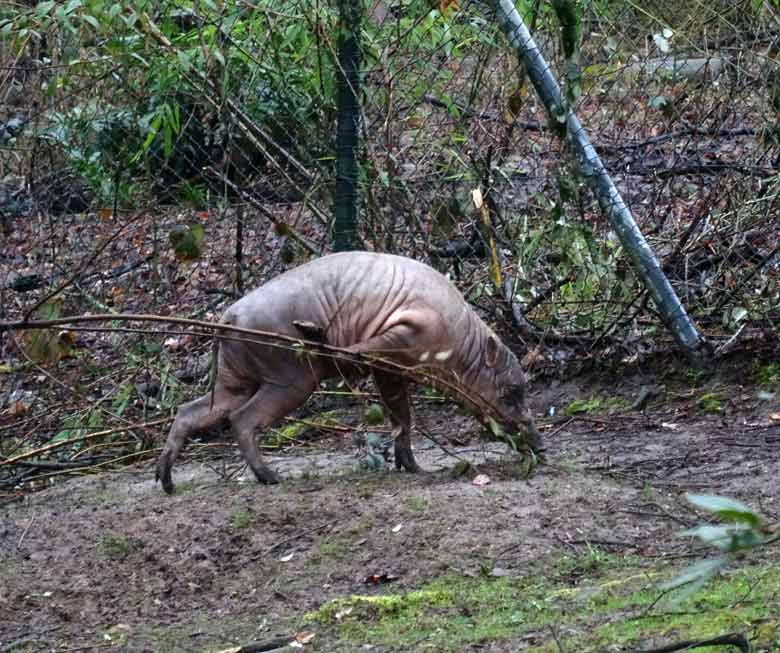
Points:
x=110, y=560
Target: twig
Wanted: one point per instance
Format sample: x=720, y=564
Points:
x=482, y=115
x=625, y=545
x=426, y=434
x=59, y=466
x=27, y=638
x=268, y=646
x=24, y=533
x=432, y=375
x=560, y=427
x=554, y=633
x=83, y=438
x=701, y=168
x=672, y=258
x=287, y=540
x=727, y=345
x=318, y=425
x=747, y=278
x=663, y=513
x=655, y=602
x=737, y=640
x=681, y=133
x=549, y=291
x=91, y=468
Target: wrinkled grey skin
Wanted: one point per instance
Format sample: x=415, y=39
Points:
x=375, y=304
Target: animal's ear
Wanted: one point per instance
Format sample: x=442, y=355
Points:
x=491, y=351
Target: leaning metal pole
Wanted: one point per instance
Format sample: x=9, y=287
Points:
x=644, y=260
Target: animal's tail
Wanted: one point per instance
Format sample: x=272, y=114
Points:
x=213, y=369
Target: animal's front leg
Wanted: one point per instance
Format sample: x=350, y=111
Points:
x=394, y=391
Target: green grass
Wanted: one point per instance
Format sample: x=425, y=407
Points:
x=8, y=569
x=596, y=404
x=418, y=503
x=114, y=546
x=240, y=519
x=332, y=549
x=593, y=602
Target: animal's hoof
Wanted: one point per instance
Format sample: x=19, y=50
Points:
x=163, y=475
x=405, y=460
x=267, y=476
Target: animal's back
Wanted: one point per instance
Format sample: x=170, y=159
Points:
x=351, y=295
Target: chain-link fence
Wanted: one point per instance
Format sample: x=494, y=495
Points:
x=166, y=157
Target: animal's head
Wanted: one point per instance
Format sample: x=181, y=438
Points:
x=510, y=390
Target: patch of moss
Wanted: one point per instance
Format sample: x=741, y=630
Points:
x=614, y=605
x=365, y=523
x=443, y=616
x=616, y=403
x=711, y=402
x=310, y=473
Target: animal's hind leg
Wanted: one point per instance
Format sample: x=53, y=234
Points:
x=268, y=405
x=191, y=418
x=394, y=391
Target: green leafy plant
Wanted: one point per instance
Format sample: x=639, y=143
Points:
x=187, y=241
x=744, y=530
x=580, y=406
x=77, y=426
x=768, y=375
x=374, y=415
x=157, y=75
x=48, y=346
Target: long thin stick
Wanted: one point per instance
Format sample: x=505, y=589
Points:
x=83, y=438
x=479, y=404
